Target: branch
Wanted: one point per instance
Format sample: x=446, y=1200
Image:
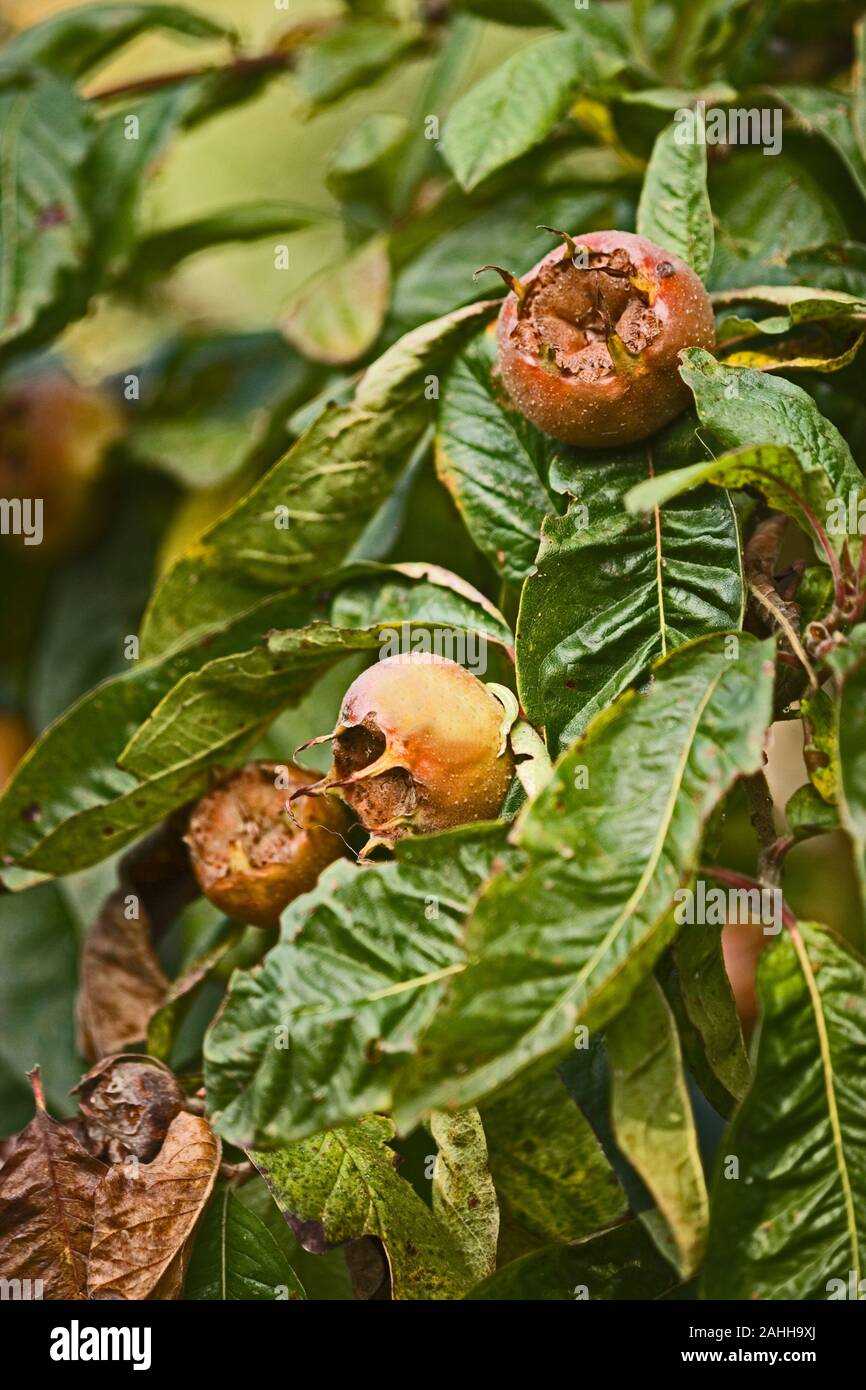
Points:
x=239, y=67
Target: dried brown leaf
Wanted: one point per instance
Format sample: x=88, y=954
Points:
x=145, y=1214
x=47, y=1193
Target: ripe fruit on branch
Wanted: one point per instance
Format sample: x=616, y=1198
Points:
x=589, y=339
x=251, y=852
x=54, y=435
x=419, y=746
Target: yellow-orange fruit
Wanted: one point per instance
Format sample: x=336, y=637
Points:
x=251, y=852
x=419, y=747
x=589, y=344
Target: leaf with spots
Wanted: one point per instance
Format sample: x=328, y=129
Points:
x=344, y=1184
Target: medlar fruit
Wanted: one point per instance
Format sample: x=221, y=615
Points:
x=419, y=746
x=251, y=852
x=589, y=340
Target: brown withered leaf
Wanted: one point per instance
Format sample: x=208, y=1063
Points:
x=127, y=1103
x=47, y=1195
x=145, y=1214
x=122, y=982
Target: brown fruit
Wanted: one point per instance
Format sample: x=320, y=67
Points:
x=127, y=1103
x=251, y=852
x=54, y=435
x=589, y=340
x=418, y=747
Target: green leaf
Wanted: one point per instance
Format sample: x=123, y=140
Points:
x=701, y=997
x=75, y=42
x=493, y=462
x=159, y=253
x=807, y=813
x=620, y=1264
x=829, y=114
x=343, y=1185
x=327, y=486
x=652, y=1118
x=321, y=1031
x=552, y=1179
x=610, y=594
x=353, y=55
x=674, y=209
x=514, y=107
x=565, y=931
x=338, y=315
x=235, y=1257
x=792, y=1217
x=801, y=465
x=38, y=961
x=210, y=402
x=45, y=132
x=766, y=211
x=60, y=824
x=802, y=303
x=464, y=1198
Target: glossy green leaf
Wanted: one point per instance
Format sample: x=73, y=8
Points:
x=610, y=593
x=807, y=813
x=45, y=133
x=565, y=931
x=620, y=1264
x=327, y=487
x=514, y=107
x=464, y=1198
x=652, y=1118
x=321, y=1031
x=75, y=42
x=789, y=1218
x=337, y=317
x=494, y=463
x=674, y=209
x=552, y=1180
x=235, y=1257
x=342, y=1185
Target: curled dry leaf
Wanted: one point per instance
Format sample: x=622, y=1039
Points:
x=127, y=1104
x=122, y=982
x=145, y=1214
x=47, y=1190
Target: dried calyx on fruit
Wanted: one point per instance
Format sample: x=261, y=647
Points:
x=589, y=340
x=251, y=851
x=420, y=745
x=127, y=1103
